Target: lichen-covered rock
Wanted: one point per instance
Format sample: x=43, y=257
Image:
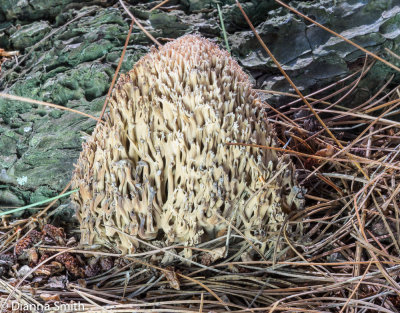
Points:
x=161, y=166
x=29, y=35
x=73, y=67
x=31, y=10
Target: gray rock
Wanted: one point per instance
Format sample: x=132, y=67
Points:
x=31, y=10
x=29, y=34
x=8, y=198
x=313, y=57
x=195, y=5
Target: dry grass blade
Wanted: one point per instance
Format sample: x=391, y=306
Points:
x=18, y=98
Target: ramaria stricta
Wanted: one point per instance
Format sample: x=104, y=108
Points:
x=160, y=167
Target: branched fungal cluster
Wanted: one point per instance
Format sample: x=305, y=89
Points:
x=160, y=168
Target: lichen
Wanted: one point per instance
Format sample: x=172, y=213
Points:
x=22, y=180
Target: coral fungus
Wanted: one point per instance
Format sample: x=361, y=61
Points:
x=160, y=167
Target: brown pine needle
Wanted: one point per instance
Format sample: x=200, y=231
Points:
x=378, y=107
x=392, y=53
x=317, y=157
x=18, y=98
x=383, y=121
x=139, y=25
x=356, y=287
x=159, y=5
x=117, y=70
x=181, y=275
x=286, y=75
x=289, y=95
x=330, y=183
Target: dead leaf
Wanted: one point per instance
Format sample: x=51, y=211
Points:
x=213, y=255
x=55, y=233
x=50, y=297
x=172, y=278
x=33, y=256
x=50, y=269
x=326, y=152
x=58, y=282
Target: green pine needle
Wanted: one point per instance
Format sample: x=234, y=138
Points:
x=38, y=203
x=223, y=29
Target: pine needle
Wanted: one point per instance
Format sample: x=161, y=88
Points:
x=223, y=28
x=38, y=203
